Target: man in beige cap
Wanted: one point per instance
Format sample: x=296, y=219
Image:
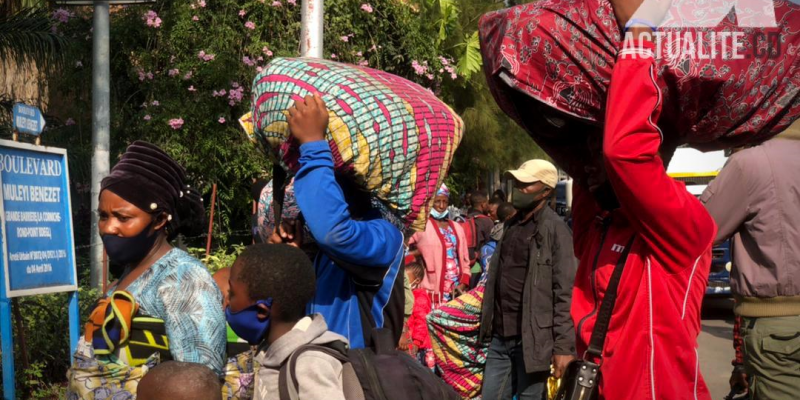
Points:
x=526, y=305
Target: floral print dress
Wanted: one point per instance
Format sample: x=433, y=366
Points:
x=451, y=268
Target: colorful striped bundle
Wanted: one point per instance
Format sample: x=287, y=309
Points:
x=394, y=137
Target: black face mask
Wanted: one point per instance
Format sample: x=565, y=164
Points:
x=526, y=201
x=125, y=251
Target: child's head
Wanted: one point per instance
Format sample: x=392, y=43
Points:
x=268, y=283
x=174, y=380
x=415, y=272
x=221, y=277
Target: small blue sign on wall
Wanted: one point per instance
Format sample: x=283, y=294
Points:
x=38, y=243
x=27, y=119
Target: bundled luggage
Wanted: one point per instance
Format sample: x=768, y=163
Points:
x=561, y=53
x=392, y=136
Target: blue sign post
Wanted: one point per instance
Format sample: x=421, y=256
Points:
x=37, y=237
x=27, y=119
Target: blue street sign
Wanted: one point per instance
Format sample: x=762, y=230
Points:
x=37, y=224
x=28, y=119
x=37, y=248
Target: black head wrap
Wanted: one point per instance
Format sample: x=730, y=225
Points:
x=151, y=180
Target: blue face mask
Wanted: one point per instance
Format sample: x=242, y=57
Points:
x=439, y=215
x=246, y=324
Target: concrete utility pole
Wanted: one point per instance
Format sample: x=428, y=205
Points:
x=311, y=24
x=101, y=128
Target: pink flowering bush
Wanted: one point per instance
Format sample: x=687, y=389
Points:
x=183, y=72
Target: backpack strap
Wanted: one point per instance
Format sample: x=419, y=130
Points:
x=288, y=385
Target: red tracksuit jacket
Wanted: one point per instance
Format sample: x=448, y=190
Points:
x=651, y=348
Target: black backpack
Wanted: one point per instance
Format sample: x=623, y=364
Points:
x=379, y=373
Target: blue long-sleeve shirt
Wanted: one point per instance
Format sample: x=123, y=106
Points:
x=369, y=244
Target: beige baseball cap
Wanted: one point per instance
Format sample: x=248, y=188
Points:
x=532, y=171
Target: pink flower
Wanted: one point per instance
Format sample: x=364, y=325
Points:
x=141, y=75
x=259, y=69
x=292, y=2
x=151, y=19
x=202, y=3
x=367, y=8
x=176, y=123
x=174, y=72
x=62, y=15
x=236, y=95
x=267, y=51
x=221, y=93
x=333, y=56
x=250, y=25
x=221, y=120
x=195, y=18
x=453, y=76
x=363, y=63
x=242, y=13
x=345, y=38
x=155, y=103
x=147, y=117
x=277, y=3
x=69, y=122
x=429, y=76
x=260, y=58
x=444, y=61
x=149, y=76
x=187, y=76
x=247, y=61
x=359, y=54
x=419, y=69
x=205, y=57
x=192, y=89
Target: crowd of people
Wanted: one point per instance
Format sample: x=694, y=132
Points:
x=497, y=299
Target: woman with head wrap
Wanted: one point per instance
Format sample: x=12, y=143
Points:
x=165, y=305
x=443, y=247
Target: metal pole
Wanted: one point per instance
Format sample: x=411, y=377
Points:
x=311, y=23
x=101, y=124
x=211, y=220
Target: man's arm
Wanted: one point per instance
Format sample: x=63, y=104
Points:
x=725, y=199
x=673, y=223
x=373, y=243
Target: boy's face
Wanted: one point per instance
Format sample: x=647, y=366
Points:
x=238, y=296
x=493, y=211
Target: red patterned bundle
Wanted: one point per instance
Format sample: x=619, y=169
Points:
x=723, y=86
x=394, y=137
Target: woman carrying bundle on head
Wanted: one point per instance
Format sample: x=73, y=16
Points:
x=165, y=306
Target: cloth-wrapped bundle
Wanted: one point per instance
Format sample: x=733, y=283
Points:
x=562, y=52
x=392, y=136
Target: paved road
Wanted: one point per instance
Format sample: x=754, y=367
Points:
x=716, y=348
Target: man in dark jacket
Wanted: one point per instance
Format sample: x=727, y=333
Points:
x=526, y=306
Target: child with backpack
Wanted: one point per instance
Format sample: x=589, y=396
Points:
x=270, y=285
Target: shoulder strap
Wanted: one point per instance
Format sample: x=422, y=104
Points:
x=287, y=377
x=607, y=308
